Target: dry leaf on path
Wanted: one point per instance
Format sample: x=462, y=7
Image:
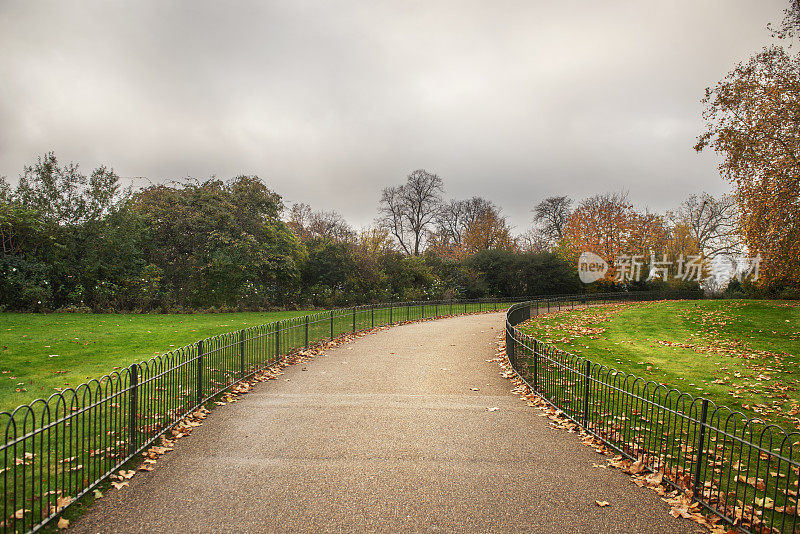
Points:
x=680, y=512
x=602, y=504
x=63, y=523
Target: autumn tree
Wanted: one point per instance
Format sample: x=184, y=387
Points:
x=602, y=224
x=489, y=231
x=681, y=240
x=408, y=211
x=648, y=234
x=753, y=120
x=551, y=215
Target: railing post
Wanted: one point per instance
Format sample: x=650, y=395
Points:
x=586, y=394
x=277, y=341
x=241, y=353
x=451, y=307
x=372, y=315
x=134, y=407
x=199, y=372
x=306, y=331
x=480, y=306
x=700, y=445
x=331, y=325
x=408, y=312
x=354, y=319
x=436, y=310
x=390, y=314
x=423, y=311
x=535, y=365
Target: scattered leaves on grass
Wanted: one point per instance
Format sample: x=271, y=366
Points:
x=681, y=503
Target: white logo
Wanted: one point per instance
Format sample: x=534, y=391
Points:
x=591, y=267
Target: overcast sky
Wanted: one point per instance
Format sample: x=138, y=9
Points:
x=331, y=101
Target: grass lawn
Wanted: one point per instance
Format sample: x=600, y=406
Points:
x=41, y=352
x=743, y=354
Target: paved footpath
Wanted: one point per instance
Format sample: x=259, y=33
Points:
x=384, y=434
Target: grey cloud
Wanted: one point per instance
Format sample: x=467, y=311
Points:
x=331, y=101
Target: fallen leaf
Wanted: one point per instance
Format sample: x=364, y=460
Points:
x=63, y=523
x=61, y=502
x=494, y=409
x=602, y=504
x=636, y=467
x=680, y=512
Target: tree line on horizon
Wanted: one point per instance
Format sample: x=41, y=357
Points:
x=76, y=242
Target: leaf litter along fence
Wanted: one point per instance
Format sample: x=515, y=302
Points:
x=57, y=450
x=743, y=470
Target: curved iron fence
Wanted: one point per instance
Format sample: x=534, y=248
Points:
x=54, y=451
x=743, y=470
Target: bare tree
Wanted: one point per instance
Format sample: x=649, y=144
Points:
x=456, y=217
x=408, y=210
x=713, y=223
x=552, y=214
x=308, y=224
x=533, y=241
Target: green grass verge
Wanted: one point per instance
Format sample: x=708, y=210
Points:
x=738, y=353
x=42, y=352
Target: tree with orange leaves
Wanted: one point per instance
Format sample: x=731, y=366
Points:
x=753, y=121
x=602, y=224
x=489, y=231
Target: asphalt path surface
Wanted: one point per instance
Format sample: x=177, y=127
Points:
x=384, y=434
